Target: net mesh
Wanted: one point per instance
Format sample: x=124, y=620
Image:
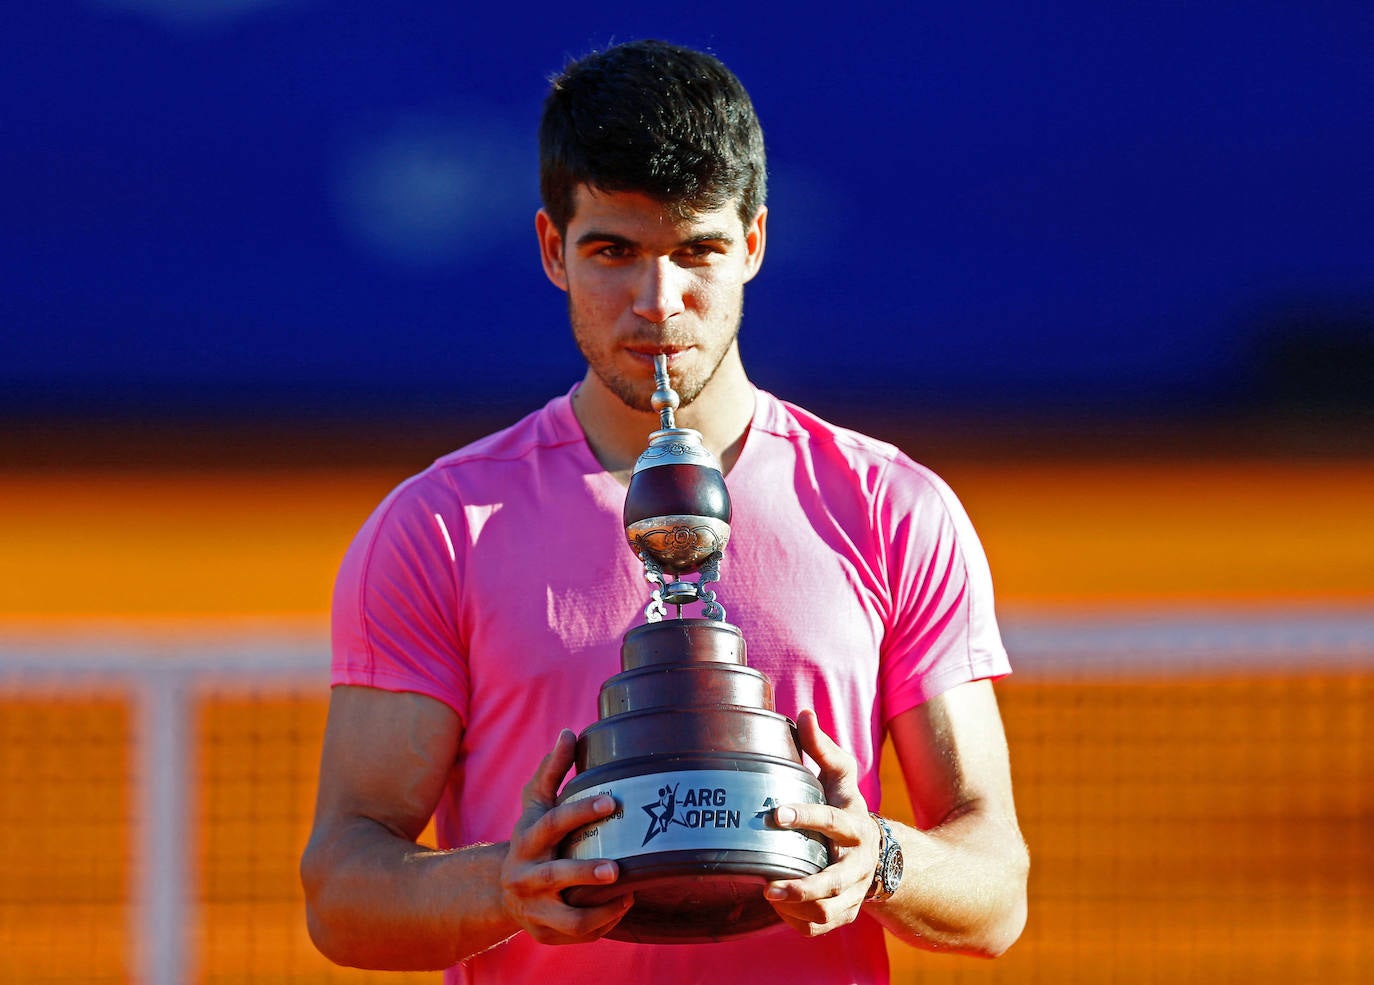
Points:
x=1193, y=828
x=64, y=815
x=1200, y=830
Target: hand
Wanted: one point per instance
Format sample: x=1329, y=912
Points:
x=832, y=897
x=533, y=876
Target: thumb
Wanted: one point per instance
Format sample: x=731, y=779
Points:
x=538, y=795
x=839, y=769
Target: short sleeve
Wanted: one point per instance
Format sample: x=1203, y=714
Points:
x=393, y=618
x=942, y=624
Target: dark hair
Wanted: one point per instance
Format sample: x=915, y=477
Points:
x=656, y=118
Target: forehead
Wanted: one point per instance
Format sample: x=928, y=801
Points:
x=626, y=212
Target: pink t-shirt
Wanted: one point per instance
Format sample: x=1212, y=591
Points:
x=498, y=581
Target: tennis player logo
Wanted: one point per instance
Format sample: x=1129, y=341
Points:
x=660, y=812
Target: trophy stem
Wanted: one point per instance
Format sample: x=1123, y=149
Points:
x=665, y=399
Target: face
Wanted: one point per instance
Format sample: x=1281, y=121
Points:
x=641, y=281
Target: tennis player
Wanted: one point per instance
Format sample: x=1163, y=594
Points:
x=483, y=603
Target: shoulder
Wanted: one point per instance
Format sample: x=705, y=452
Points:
x=530, y=443
x=874, y=465
x=494, y=469
x=550, y=428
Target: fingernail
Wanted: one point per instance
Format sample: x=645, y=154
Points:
x=774, y=892
x=604, y=871
x=603, y=803
x=785, y=815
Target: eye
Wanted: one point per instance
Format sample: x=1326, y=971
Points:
x=698, y=253
x=614, y=251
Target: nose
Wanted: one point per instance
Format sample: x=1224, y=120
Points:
x=659, y=290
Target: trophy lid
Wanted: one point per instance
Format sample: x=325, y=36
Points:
x=677, y=508
x=676, y=446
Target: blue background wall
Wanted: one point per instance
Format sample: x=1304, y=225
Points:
x=325, y=206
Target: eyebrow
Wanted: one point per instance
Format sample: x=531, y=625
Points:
x=592, y=236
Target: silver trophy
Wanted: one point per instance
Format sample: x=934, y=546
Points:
x=687, y=742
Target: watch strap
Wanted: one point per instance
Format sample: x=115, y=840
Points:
x=878, y=889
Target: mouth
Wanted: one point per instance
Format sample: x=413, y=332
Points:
x=647, y=353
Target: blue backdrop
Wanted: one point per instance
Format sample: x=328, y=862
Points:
x=327, y=204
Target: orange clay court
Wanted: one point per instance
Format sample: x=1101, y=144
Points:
x=1196, y=826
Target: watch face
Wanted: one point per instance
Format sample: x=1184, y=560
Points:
x=892, y=870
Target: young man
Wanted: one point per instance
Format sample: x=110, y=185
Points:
x=482, y=605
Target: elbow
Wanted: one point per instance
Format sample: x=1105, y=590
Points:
x=990, y=940
x=321, y=920
x=1005, y=930
x=328, y=943
x=359, y=915
x=312, y=875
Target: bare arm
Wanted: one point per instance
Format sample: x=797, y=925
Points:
x=966, y=863
x=964, y=887
x=376, y=899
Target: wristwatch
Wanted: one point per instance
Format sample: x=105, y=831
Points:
x=887, y=876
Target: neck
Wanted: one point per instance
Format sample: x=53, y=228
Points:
x=617, y=433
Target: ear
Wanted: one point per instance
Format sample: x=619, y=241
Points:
x=551, y=249
x=755, y=238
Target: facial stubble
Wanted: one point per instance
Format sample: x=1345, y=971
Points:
x=634, y=392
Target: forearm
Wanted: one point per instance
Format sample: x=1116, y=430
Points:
x=964, y=886
x=377, y=900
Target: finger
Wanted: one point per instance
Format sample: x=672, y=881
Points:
x=538, y=838
x=815, y=919
x=844, y=828
x=612, y=911
x=817, y=904
x=579, y=924
x=839, y=769
x=846, y=878
x=795, y=891
x=534, y=897
x=555, y=875
x=558, y=923
x=538, y=794
x=813, y=906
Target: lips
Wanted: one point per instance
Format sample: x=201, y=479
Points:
x=654, y=348
x=648, y=352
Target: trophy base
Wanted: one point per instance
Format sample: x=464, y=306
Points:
x=695, y=846
x=693, y=897
x=691, y=750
